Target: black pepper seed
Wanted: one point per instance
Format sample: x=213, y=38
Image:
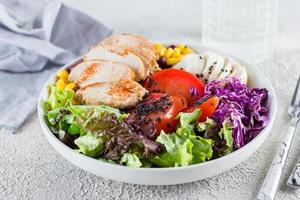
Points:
x=215, y=62
x=201, y=57
x=198, y=75
x=209, y=72
x=201, y=75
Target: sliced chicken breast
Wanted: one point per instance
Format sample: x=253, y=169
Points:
x=239, y=72
x=192, y=63
x=227, y=69
x=147, y=56
x=121, y=55
x=105, y=71
x=130, y=40
x=120, y=94
x=213, y=66
x=78, y=70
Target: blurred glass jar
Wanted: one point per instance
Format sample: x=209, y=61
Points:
x=243, y=28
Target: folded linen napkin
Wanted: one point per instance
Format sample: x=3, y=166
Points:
x=34, y=38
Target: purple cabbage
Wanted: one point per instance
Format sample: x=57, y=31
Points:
x=244, y=108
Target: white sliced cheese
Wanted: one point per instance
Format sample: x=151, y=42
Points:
x=213, y=66
x=227, y=69
x=239, y=72
x=192, y=63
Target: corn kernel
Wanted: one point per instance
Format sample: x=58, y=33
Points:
x=60, y=84
x=172, y=61
x=63, y=74
x=70, y=86
x=187, y=50
x=169, y=53
x=162, y=51
x=181, y=47
x=176, y=53
x=157, y=46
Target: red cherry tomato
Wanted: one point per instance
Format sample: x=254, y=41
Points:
x=176, y=82
x=207, y=106
x=164, y=110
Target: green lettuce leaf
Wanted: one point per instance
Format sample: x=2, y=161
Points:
x=208, y=124
x=226, y=134
x=131, y=160
x=184, y=147
x=65, y=118
x=189, y=119
x=89, y=145
x=79, y=109
x=178, y=150
x=207, y=127
x=58, y=98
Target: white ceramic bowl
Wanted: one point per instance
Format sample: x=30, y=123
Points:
x=166, y=176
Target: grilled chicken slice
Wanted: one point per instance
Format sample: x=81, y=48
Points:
x=119, y=94
x=131, y=40
x=104, y=71
x=121, y=55
x=147, y=56
x=78, y=70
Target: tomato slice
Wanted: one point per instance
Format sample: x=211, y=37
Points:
x=207, y=106
x=176, y=82
x=161, y=110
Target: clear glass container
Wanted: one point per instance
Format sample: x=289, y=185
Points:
x=244, y=28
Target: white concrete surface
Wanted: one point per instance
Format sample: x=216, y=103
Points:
x=31, y=169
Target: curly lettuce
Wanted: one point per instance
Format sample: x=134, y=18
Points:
x=58, y=98
x=184, y=147
x=131, y=160
x=89, y=145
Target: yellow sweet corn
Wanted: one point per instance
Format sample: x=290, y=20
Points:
x=180, y=47
x=187, y=50
x=63, y=74
x=70, y=86
x=176, y=53
x=162, y=51
x=157, y=46
x=172, y=61
x=60, y=84
x=169, y=53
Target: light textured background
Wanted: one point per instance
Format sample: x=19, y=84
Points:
x=31, y=169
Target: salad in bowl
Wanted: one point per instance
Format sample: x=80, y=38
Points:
x=130, y=102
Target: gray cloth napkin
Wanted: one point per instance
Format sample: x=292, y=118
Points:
x=35, y=39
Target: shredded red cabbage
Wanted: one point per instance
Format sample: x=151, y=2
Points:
x=244, y=108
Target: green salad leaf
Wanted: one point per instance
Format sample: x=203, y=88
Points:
x=58, y=98
x=184, y=147
x=207, y=125
x=131, y=160
x=188, y=120
x=226, y=134
x=89, y=145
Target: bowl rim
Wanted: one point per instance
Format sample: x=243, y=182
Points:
x=264, y=132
